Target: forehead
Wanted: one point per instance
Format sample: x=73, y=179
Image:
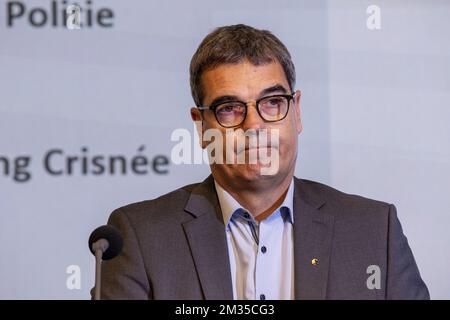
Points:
x=243, y=80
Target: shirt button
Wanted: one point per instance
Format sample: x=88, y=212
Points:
x=263, y=249
x=262, y=297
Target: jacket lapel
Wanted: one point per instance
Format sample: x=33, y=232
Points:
x=205, y=233
x=313, y=231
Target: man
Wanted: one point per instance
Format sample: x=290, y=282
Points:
x=241, y=234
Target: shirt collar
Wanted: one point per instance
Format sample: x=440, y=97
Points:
x=229, y=205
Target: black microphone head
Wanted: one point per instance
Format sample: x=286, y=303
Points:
x=110, y=234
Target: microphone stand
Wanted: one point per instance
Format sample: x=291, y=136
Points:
x=99, y=247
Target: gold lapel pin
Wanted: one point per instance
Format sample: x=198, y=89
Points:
x=315, y=262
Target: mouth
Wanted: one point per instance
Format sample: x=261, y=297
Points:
x=259, y=147
x=256, y=148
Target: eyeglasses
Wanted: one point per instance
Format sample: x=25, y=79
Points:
x=232, y=113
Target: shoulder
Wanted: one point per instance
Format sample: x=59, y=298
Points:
x=166, y=208
x=342, y=204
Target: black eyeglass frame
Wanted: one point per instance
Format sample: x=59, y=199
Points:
x=213, y=107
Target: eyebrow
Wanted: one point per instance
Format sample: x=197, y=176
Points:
x=273, y=89
x=223, y=99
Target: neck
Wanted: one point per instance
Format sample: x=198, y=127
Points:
x=261, y=201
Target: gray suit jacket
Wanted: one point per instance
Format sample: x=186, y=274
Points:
x=175, y=248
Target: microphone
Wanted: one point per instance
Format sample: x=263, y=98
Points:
x=105, y=243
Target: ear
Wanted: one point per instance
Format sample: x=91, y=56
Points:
x=197, y=117
x=298, y=118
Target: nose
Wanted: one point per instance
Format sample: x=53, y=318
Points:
x=253, y=119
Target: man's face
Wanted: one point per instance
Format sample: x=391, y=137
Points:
x=248, y=83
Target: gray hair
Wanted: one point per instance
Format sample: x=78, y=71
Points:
x=233, y=44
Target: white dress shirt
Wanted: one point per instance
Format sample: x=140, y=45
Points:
x=261, y=254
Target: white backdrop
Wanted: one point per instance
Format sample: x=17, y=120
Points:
x=375, y=106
